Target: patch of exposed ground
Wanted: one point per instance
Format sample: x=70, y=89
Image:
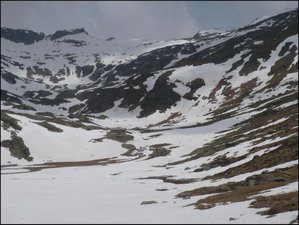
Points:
x=148, y=202
x=168, y=121
x=49, y=126
x=277, y=203
x=52, y=165
x=130, y=149
x=17, y=147
x=171, y=179
x=221, y=160
x=123, y=138
x=257, y=131
x=233, y=97
x=246, y=189
x=49, y=117
x=9, y=122
x=286, y=152
x=276, y=100
x=159, y=150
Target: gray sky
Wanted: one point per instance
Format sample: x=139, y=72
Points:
x=154, y=20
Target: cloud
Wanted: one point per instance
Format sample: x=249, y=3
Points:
x=252, y=9
x=159, y=20
x=154, y=20
x=146, y=19
x=227, y=15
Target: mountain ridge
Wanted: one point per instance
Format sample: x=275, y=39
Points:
x=146, y=65
x=28, y=37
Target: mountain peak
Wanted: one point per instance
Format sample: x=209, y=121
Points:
x=61, y=33
x=21, y=35
x=207, y=33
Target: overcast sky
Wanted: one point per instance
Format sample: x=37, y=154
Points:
x=133, y=19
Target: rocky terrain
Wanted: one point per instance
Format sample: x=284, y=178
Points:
x=196, y=130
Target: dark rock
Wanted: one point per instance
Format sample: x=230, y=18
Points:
x=73, y=109
x=158, y=152
x=9, y=121
x=86, y=70
x=194, y=85
x=9, y=77
x=17, y=147
x=49, y=126
x=161, y=97
x=23, y=107
x=21, y=36
x=110, y=39
x=61, y=33
x=10, y=97
x=148, y=202
x=75, y=42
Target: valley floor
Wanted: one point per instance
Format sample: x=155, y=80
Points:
x=112, y=184
x=112, y=194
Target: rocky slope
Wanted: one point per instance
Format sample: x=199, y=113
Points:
x=216, y=116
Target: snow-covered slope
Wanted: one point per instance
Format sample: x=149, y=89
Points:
x=210, y=123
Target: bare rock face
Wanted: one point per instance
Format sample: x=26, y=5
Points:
x=61, y=33
x=21, y=36
x=160, y=97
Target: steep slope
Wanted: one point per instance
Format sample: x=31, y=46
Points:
x=211, y=123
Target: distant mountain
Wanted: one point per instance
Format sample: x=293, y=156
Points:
x=123, y=69
x=61, y=33
x=21, y=36
x=30, y=37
